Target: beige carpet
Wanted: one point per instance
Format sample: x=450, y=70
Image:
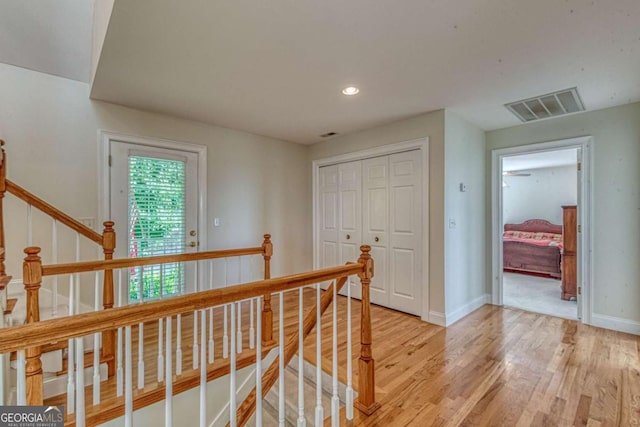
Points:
x=538, y=294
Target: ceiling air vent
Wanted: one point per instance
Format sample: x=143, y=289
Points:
x=550, y=105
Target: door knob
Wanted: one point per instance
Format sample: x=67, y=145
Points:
x=191, y=244
x=348, y=236
x=377, y=239
x=192, y=233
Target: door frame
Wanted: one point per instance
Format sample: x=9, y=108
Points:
x=105, y=138
x=421, y=144
x=585, y=215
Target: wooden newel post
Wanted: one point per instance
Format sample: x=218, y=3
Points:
x=267, y=313
x=32, y=278
x=3, y=190
x=108, y=337
x=366, y=402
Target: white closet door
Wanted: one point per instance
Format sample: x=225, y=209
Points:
x=350, y=216
x=375, y=209
x=328, y=247
x=405, y=231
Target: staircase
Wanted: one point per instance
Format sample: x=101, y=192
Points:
x=271, y=400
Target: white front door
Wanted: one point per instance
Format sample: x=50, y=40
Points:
x=153, y=202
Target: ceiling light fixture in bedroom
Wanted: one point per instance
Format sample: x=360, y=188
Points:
x=350, y=91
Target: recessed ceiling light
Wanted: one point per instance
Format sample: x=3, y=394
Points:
x=351, y=90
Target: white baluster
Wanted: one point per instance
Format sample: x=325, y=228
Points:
x=239, y=333
x=349, y=391
x=160, y=355
x=319, y=409
x=225, y=337
x=179, y=344
x=335, y=400
x=71, y=407
x=252, y=331
x=281, y=396
x=29, y=226
x=119, y=370
x=54, y=260
x=203, y=369
x=259, y=364
x=80, y=408
x=128, y=379
x=140, y=356
x=168, y=397
x=21, y=386
x=302, y=421
x=96, y=348
x=195, y=340
x=232, y=372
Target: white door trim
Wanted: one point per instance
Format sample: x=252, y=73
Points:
x=105, y=137
x=421, y=144
x=585, y=215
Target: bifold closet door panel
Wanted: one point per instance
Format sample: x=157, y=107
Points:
x=405, y=231
x=375, y=219
x=327, y=217
x=350, y=217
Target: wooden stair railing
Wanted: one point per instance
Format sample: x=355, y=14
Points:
x=33, y=336
x=270, y=376
x=107, y=241
x=366, y=402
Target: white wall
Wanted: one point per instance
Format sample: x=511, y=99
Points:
x=464, y=243
x=539, y=196
x=616, y=200
x=431, y=125
x=255, y=184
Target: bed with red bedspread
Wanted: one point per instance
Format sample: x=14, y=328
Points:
x=533, y=247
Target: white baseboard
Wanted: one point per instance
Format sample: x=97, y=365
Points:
x=466, y=309
x=437, y=318
x=615, y=323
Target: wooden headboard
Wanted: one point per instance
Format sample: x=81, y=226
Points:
x=535, y=225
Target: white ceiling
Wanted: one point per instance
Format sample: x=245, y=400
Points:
x=51, y=36
x=276, y=68
x=545, y=159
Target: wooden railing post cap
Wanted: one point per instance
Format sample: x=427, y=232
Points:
x=366, y=260
x=267, y=246
x=32, y=253
x=108, y=224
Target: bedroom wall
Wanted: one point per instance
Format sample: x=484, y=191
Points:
x=431, y=125
x=540, y=195
x=616, y=202
x=255, y=184
x=464, y=242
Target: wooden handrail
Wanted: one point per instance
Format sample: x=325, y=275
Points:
x=53, y=212
x=88, y=266
x=269, y=378
x=64, y=328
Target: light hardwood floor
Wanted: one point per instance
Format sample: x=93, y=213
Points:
x=496, y=367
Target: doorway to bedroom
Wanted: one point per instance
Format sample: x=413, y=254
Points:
x=538, y=229
x=539, y=192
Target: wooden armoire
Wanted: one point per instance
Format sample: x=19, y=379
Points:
x=569, y=257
